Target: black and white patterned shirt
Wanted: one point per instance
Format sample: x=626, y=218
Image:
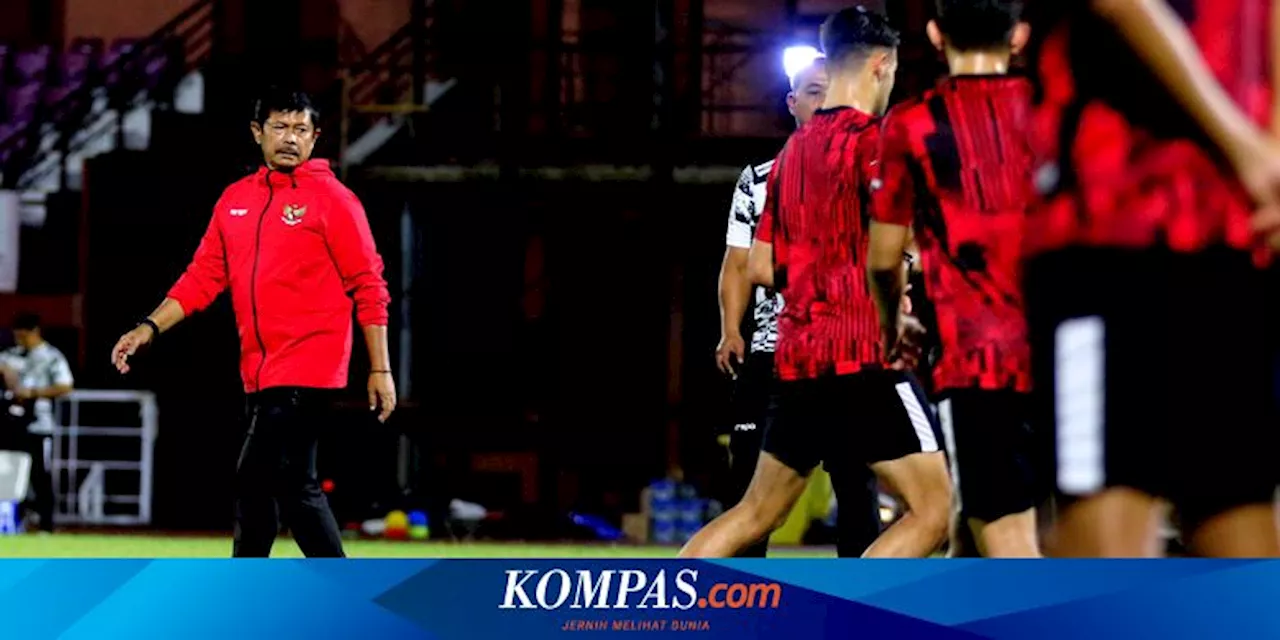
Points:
x=748, y=205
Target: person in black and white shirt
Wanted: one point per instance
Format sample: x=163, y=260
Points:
x=36, y=373
x=858, y=523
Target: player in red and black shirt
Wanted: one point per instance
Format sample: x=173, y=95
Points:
x=1141, y=290
x=955, y=167
x=835, y=402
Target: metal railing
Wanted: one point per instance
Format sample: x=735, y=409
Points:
x=81, y=481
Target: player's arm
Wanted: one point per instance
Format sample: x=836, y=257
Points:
x=735, y=289
x=760, y=263
x=892, y=202
x=1162, y=41
x=200, y=284
x=735, y=283
x=887, y=272
x=356, y=257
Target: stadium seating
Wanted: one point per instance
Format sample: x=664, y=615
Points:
x=44, y=86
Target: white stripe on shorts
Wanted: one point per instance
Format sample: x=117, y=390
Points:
x=949, y=435
x=919, y=420
x=1079, y=402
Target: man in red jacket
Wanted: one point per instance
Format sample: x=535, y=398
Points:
x=293, y=245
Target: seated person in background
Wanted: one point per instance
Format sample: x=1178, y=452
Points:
x=36, y=372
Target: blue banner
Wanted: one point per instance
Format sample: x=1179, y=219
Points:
x=532, y=599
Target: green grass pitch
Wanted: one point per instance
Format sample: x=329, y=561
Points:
x=159, y=545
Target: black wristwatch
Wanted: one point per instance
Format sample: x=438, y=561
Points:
x=155, y=329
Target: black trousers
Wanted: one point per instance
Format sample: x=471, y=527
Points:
x=276, y=476
x=41, y=480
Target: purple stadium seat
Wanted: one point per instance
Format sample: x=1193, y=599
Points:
x=154, y=72
x=91, y=46
x=32, y=64
x=21, y=103
x=54, y=95
x=75, y=68
x=118, y=48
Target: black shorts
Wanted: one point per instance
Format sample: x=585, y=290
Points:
x=991, y=451
x=750, y=407
x=1154, y=370
x=849, y=421
x=858, y=520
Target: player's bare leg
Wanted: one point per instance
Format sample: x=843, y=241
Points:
x=1012, y=536
x=922, y=481
x=1117, y=523
x=1244, y=532
x=773, y=491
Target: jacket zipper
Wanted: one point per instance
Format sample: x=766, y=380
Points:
x=253, y=283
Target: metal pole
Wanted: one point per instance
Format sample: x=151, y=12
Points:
x=405, y=351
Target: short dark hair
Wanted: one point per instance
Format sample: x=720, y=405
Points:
x=277, y=100
x=855, y=30
x=978, y=24
x=26, y=321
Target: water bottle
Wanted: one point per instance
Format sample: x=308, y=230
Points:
x=691, y=518
x=8, y=517
x=662, y=504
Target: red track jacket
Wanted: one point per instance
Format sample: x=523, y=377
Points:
x=291, y=247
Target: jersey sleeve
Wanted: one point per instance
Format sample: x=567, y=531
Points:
x=764, y=228
x=892, y=178
x=206, y=276
x=350, y=241
x=742, y=212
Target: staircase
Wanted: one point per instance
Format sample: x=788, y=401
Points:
x=112, y=111
x=383, y=93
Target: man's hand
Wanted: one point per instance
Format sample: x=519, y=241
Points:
x=1259, y=171
x=128, y=344
x=382, y=395
x=905, y=347
x=729, y=347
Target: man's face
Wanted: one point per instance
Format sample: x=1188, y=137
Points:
x=809, y=91
x=27, y=338
x=286, y=139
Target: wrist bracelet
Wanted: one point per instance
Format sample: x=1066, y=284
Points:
x=373, y=371
x=155, y=329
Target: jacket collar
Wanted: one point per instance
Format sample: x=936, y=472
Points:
x=309, y=170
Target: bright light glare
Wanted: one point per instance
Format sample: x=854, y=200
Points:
x=798, y=58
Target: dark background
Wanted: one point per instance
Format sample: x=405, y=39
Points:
x=565, y=325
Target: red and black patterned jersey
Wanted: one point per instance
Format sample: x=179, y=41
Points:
x=955, y=166
x=1235, y=38
x=1119, y=163
x=816, y=217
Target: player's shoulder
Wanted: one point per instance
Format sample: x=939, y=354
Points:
x=910, y=109
x=50, y=353
x=755, y=174
x=56, y=353
x=760, y=172
x=339, y=196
